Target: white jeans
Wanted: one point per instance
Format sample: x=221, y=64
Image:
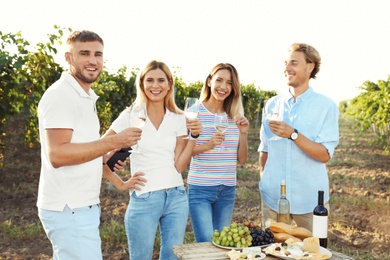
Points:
x=74, y=234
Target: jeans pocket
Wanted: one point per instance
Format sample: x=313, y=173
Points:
x=143, y=196
x=47, y=216
x=181, y=190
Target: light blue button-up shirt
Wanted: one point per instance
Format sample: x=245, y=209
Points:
x=316, y=117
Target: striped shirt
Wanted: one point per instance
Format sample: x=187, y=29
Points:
x=215, y=167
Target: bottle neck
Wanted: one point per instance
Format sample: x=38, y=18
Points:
x=282, y=190
x=320, y=198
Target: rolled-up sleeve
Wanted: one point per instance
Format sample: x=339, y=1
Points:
x=329, y=134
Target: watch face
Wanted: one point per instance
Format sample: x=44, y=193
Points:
x=294, y=136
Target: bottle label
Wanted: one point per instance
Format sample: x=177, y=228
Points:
x=320, y=226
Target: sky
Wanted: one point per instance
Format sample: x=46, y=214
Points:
x=352, y=36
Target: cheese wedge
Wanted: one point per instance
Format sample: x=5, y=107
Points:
x=312, y=244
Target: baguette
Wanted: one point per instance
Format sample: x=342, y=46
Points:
x=282, y=237
x=299, y=232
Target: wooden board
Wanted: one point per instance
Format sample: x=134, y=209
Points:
x=207, y=251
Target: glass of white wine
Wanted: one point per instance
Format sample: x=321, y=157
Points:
x=191, y=109
x=221, y=123
x=138, y=116
x=276, y=114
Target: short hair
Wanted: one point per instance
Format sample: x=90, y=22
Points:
x=83, y=36
x=311, y=56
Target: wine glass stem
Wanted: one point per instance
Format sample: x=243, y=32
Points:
x=136, y=149
x=222, y=148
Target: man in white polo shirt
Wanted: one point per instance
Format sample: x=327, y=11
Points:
x=72, y=153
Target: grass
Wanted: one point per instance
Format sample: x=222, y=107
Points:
x=363, y=203
x=344, y=196
x=10, y=230
x=245, y=193
x=351, y=195
x=113, y=233
x=362, y=182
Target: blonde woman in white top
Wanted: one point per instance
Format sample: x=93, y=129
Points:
x=159, y=198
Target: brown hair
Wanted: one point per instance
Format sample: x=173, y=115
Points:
x=311, y=56
x=83, y=36
x=233, y=103
x=169, y=98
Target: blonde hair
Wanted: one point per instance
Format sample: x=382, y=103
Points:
x=169, y=100
x=311, y=56
x=233, y=103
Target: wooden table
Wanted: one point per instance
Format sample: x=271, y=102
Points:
x=207, y=251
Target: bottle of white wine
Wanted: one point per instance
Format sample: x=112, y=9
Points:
x=320, y=220
x=283, y=206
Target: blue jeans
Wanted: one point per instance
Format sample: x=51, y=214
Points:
x=211, y=207
x=167, y=209
x=73, y=233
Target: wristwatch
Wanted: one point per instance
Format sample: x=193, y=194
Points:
x=294, y=135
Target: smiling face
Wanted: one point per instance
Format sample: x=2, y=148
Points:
x=156, y=85
x=221, y=85
x=86, y=61
x=297, y=70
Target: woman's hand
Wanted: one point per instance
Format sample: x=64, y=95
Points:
x=108, y=155
x=134, y=182
x=242, y=123
x=119, y=165
x=216, y=139
x=194, y=126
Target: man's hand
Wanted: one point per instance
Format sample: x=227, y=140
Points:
x=127, y=137
x=280, y=128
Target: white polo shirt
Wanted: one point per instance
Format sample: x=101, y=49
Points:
x=66, y=105
x=157, y=157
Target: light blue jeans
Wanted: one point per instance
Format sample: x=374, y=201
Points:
x=167, y=209
x=73, y=233
x=211, y=207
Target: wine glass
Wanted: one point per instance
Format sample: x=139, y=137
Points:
x=137, y=119
x=221, y=124
x=191, y=109
x=276, y=114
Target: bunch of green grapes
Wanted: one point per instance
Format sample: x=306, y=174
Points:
x=236, y=235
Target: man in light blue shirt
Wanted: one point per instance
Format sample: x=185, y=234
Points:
x=298, y=136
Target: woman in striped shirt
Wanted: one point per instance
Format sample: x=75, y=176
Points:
x=212, y=175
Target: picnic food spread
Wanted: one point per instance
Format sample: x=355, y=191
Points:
x=247, y=253
x=309, y=248
x=283, y=231
x=239, y=235
x=278, y=239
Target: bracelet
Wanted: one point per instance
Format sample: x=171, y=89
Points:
x=191, y=137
